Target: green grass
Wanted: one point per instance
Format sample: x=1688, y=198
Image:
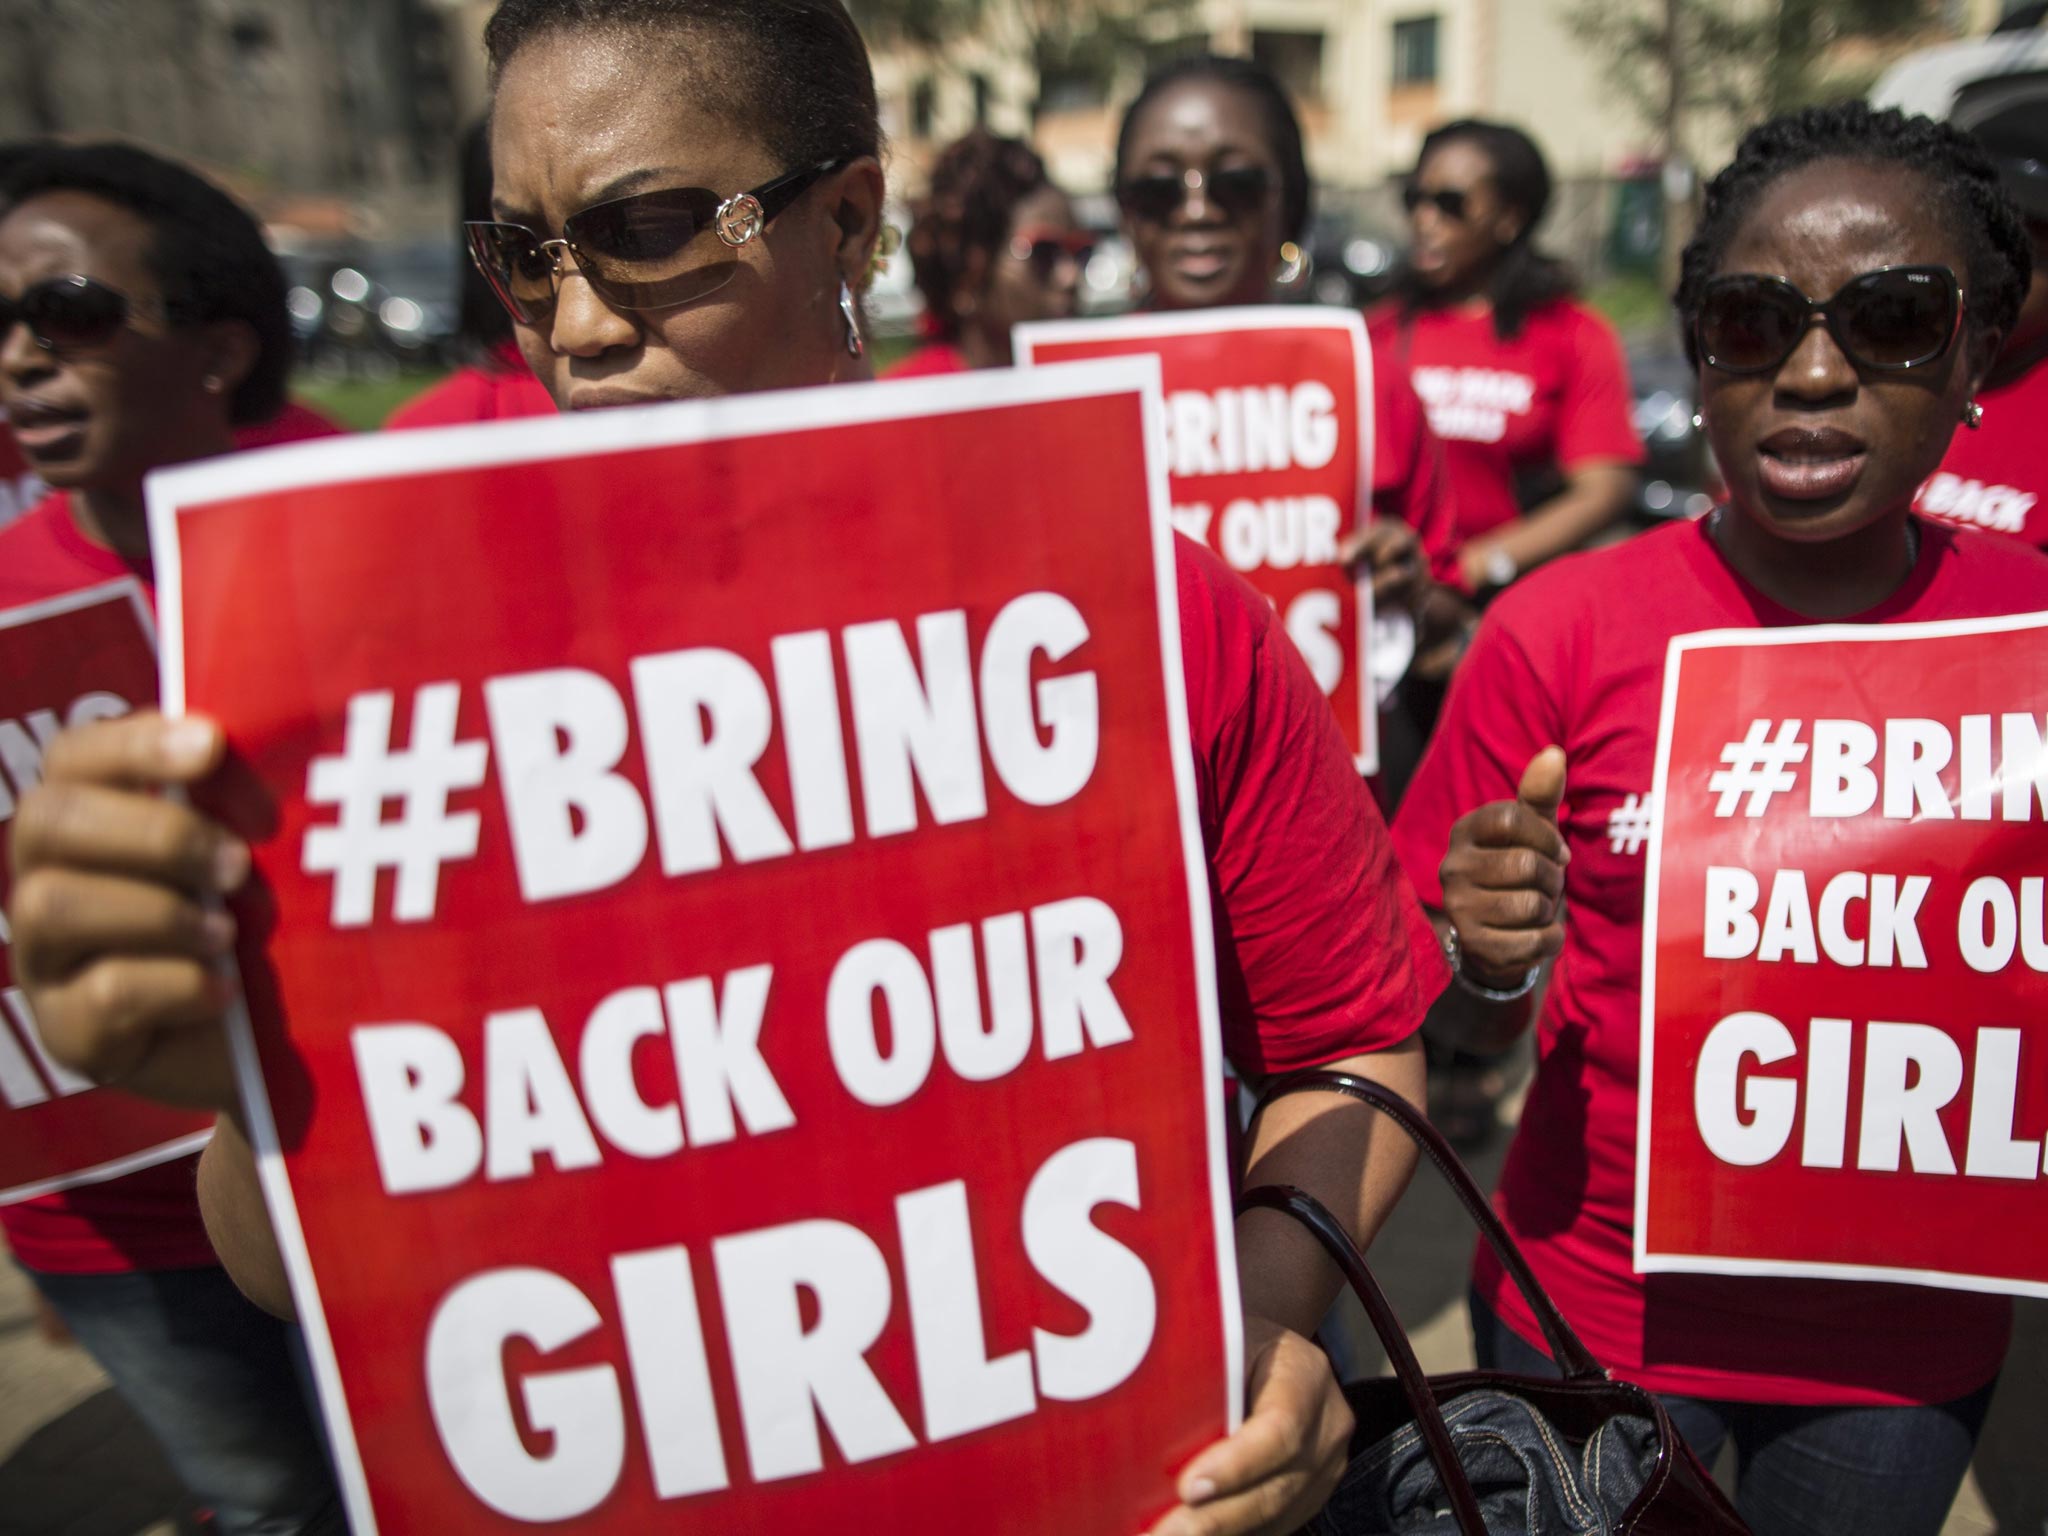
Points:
x=361, y=404
x=1635, y=306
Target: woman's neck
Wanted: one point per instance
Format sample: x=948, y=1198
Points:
x=114, y=519
x=1831, y=579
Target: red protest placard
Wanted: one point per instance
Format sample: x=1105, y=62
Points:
x=1843, y=971
x=77, y=658
x=736, y=1044
x=1268, y=444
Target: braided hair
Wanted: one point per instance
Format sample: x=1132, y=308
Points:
x=1283, y=128
x=1523, y=279
x=975, y=188
x=1956, y=172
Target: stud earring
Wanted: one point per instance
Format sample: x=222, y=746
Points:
x=211, y=383
x=1699, y=422
x=850, y=313
x=1973, y=415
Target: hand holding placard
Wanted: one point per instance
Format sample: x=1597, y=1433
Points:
x=121, y=964
x=1504, y=877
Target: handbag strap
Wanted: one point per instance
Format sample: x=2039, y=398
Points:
x=1572, y=1357
x=1429, y=1418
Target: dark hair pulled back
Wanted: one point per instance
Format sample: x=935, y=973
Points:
x=1523, y=279
x=1954, y=171
x=795, y=72
x=206, y=251
x=1283, y=128
x=976, y=185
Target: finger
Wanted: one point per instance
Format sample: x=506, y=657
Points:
x=86, y=825
x=113, y=1016
x=1510, y=869
x=1511, y=952
x=1507, y=911
x=141, y=751
x=1511, y=824
x=68, y=916
x=1542, y=786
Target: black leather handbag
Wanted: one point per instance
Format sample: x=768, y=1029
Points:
x=1485, y=1453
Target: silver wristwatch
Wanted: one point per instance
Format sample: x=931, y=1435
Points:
x=1454, y=956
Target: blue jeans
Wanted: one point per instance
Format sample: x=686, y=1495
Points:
x=1806, y=1471
x=215, y=1379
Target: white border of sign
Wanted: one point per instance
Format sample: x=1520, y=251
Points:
x=1259, y=317
x=123, y=589
x=593, y=435
x=1647, y=1263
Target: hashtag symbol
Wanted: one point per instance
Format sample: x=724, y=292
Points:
x=1759, y=765
x=426, y=834
x=1629, y=827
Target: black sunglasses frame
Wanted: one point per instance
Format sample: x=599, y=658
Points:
x=116, y=309
x=1237, y=189
x=1045, y=254
x=1827, y=311
x=1454, y=203
x=738, y=220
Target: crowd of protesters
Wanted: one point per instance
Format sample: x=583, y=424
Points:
x=143, y=324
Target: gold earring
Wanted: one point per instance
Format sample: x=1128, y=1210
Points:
x=1973, y=415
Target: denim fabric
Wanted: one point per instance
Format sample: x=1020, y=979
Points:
x=214, y=1378
x=1807, y=1471
x=1527, y=1477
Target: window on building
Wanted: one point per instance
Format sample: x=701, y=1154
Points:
x=924, y=108
x=1415, y=47
x=1296, y=60
x=983, y=96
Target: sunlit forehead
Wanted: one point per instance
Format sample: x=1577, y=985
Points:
x=1828, y=222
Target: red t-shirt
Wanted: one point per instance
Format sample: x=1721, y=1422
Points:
x=1996, y=477
x=1556, y=394
x=1324, y=951
x=1574, y=655
x=501, y=388
x=146, y=1220
x=931, y=360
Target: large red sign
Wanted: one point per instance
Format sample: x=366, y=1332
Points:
x=1845, y=968
x=1267, y=438
x=736, y=1040
x=74, y=659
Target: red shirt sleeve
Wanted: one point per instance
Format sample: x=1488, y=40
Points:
x=1504, y=708
x=1596, y=419
x=1408, y=479
x=1323, y=951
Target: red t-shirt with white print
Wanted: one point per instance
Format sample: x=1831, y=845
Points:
x=1996, y=477
x=1556, y=393
x=1574, y=655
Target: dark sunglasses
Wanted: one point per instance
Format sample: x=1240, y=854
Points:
x=636, y=252
x=1887, y=321
x=69, y=312
x=1044, y=252
x=1238, y=190
x=1451, y=202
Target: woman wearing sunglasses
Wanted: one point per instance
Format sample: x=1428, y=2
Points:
x=1215, y=192
x=687, y=199
x=142, y=320
x=1848, y=289
x=994, y=244
x=1524, y=385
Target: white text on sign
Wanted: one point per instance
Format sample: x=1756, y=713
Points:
x=1896, y=769
x=1910, y=1074
x=921, y=720
x=788, y=1374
